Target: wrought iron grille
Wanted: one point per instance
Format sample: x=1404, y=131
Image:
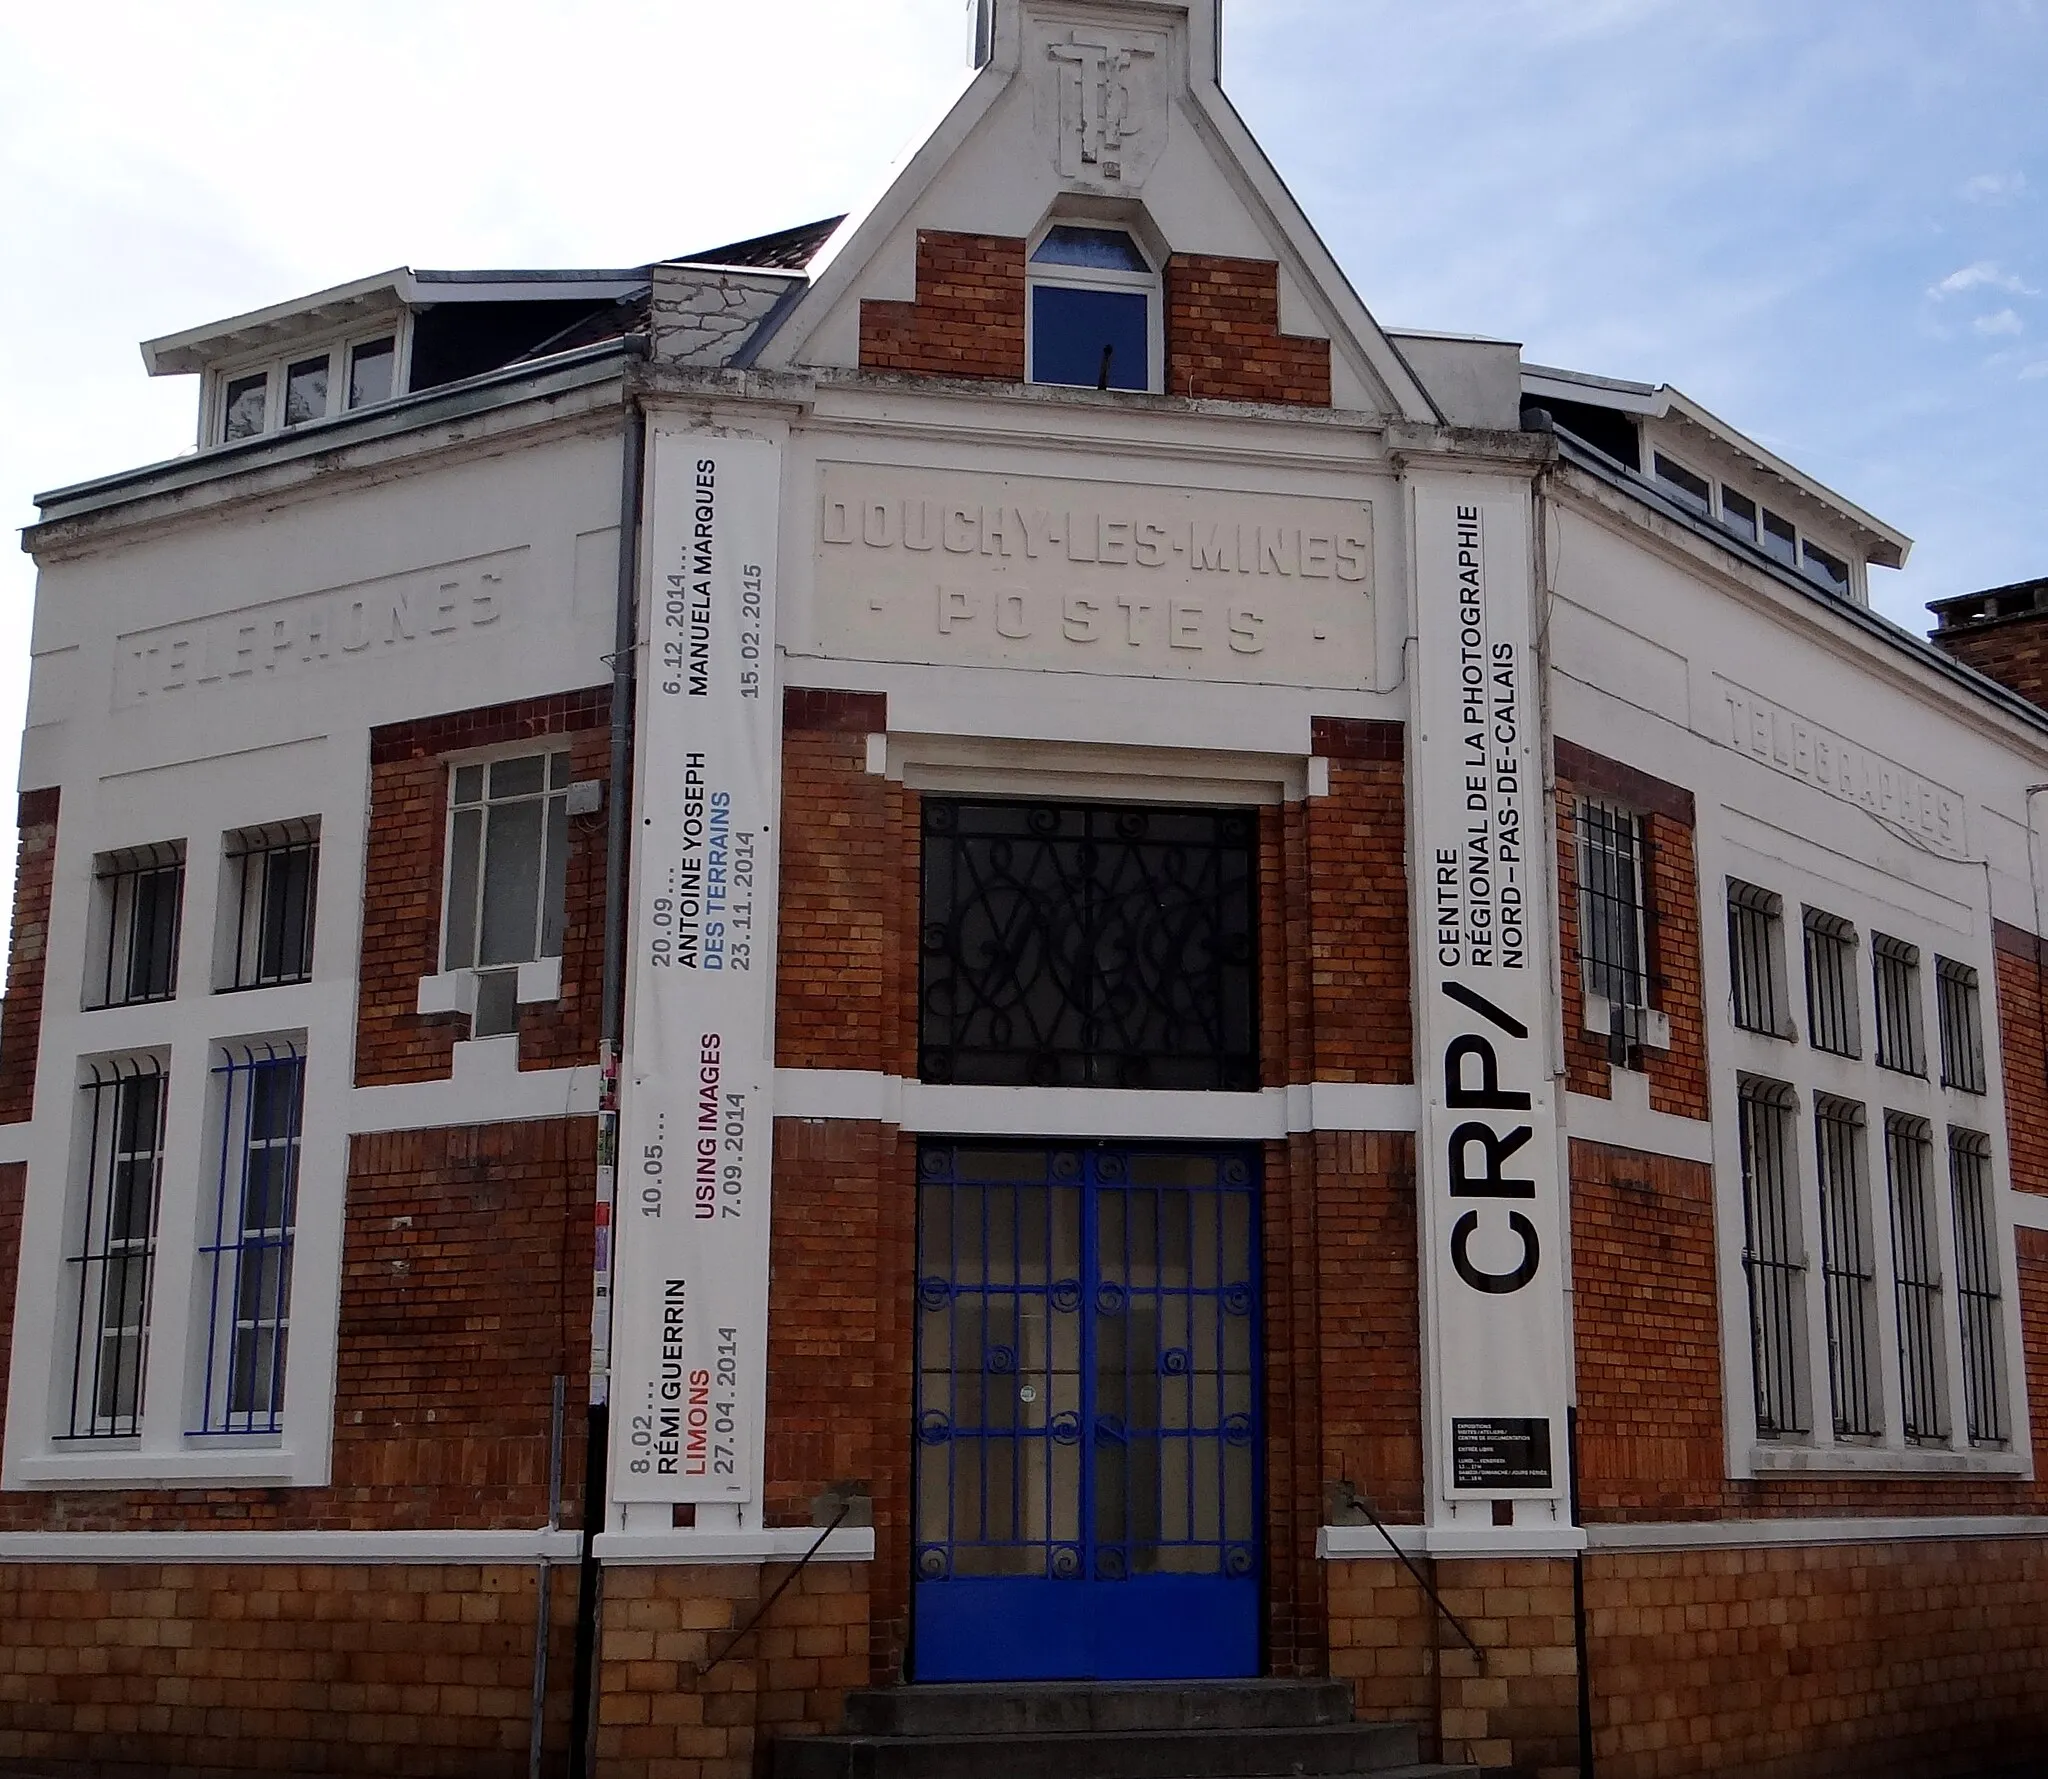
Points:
x=1087, y=1405
x=1772, y=1257
x=141, y=901
x=1832, y=1023
x=1969, y=1173
x=275, y=871
x=111, y=1267
x=248, y=1255
x=1962, y=1026
x=1895, y=975
x=1611, y=919
x=1848, y=1271
x=1916, y=1263
x=1078, y=945
x=1755, y=959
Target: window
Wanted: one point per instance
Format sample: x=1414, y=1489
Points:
x=1780, y=538
x=1773, y=1257
x=1094, y=307
x=508, y=859
x=1756, y=960
x=139, y=903
x=1611, y=919
x=246, y=1262
x=1962, y=1026
x=1896, y=973
x=1969, y=1171
x=1848, y=1273
x=1081, y=945
x=1832, y=1022
x=311, y=386
x=115, y=1244
x=1916, y=1265
x=1689, y=488
x=272, y=874
x=1826, y=568
x=1738, y=513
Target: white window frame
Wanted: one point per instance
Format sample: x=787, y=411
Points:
x=274, y=365
x=1813, y=1075
x=1152, y=285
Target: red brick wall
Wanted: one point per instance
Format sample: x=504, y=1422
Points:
x=465, y=1292
x=1223, y=337
x=425, y=1670
x=1358, y=959
x=13, y=1185
x=967, y=319
x=402, y=883
x=2014, y=653
x=21, y=1016
x=2022, y=964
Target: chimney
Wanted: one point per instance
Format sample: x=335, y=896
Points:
x=2003, y=633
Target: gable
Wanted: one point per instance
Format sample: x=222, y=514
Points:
x=1104, y=111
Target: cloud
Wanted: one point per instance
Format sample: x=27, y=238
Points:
x=1986, y=274
x=2004, y=322
x=2039, y=368
x=1995, y=188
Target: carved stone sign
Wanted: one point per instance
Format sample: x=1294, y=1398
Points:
x=282, y=638
x=1094, y=577
x=1103, y=104
x=1802, y=749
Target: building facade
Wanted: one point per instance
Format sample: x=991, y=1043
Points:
x=981, y=944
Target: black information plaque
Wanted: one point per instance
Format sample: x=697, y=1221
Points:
x=1501, y=1454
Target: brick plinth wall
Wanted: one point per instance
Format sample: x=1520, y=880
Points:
x=421, y=1670
x=21, y=1016
x=403, y=871
x=1874, y=1660
x=661, y=1716
x=968, y=316
x=1223, y=337
x=465, y=1292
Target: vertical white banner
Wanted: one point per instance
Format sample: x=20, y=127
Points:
x=690, y=1323
x=1493, y=1263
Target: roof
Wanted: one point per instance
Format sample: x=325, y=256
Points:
x=787, y=250
x=1994, y=605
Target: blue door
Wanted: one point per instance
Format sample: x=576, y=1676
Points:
x=1087, y=1473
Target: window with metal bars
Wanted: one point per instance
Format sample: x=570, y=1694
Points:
x=1086, y=945
x=1977, y=1295
x=248, y=1256
x=1611, y=919
x=1832, y=1020
x=273, y=872
x=1962, y=1026
x=1848, y=1271
x=1916, y=1266
x=1756, y=960
x=115, y=1236
x=1773, y=1257
x=139, y=902
x=1895, y=975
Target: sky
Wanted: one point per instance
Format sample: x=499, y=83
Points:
x=1821, y=219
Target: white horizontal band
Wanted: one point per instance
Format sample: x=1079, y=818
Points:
x=2029, y=1210
x=537, y=1546
x=1768, y=1534
x=769, y=1544
x=1343, y=1543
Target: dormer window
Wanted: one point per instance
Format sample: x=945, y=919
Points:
x=1094, y=310
x=305, y=386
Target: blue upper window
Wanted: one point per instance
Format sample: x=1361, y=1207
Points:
x=1094, y=302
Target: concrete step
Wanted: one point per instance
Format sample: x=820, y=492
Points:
x=1337, y=1751
x=1065, y=1707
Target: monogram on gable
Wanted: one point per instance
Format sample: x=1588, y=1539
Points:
x=1105, y=108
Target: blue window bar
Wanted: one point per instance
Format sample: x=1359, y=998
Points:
x=124, y=1125
x=249, y=1258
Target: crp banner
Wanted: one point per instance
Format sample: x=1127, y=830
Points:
x=696, y=1132
x=1493, y=1263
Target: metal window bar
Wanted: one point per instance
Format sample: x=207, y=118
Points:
x=112, y=1265
x=1895, y=973
x=1611, y=916
x=1773, y=1257
x=1916, y=1261
x=1755, y=922
x=249, y=1255
x=1848, y=1268
x=1977, y=1294
x=1962, y=1026
x=277, y=871
x=142, y=894
x=1832, y=1022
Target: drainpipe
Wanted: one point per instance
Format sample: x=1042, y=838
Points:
x=618, y=814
